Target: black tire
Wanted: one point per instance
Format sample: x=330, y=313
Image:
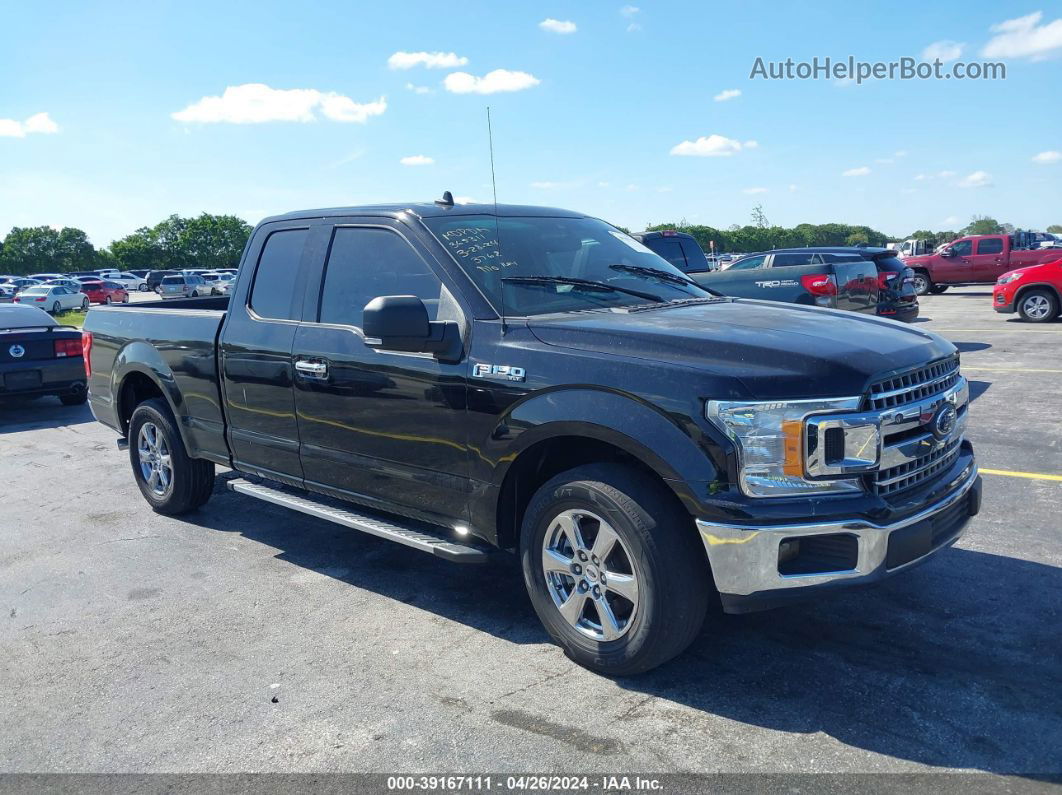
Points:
x=1038, y=306
x=84, y=304
x=192, y=479
x=195, y=293
x=74, y=398
x=937, y=289
x=56, y=308
x=665, y=556
x=107, y=300
x=144, y=288
x=923, y=285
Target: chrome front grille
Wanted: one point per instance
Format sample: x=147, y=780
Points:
x=899, y=390
x=917, y=470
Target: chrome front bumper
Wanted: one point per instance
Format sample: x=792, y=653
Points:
x=745, y=559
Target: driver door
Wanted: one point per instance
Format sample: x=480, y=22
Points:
x=380, y=426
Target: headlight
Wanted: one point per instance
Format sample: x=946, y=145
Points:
x=770, y=439
x=1006, y=278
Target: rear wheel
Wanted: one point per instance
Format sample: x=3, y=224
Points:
x=170, y=481
x=108, y=300
x=144, y=288
x=56, y=308
x=614, y=569
x=195, y=293
x=1038, y=306
x=937, y=289
x=921, y=283
x=125, y=298
x=84, y=304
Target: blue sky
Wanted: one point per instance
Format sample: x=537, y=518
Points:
x=589, y=120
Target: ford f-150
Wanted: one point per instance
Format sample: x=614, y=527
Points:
x=468, y=378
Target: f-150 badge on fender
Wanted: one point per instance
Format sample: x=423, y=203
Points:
x=503, y=372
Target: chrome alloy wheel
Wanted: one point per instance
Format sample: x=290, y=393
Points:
x=155, y=465
x=1036, y=306
x=590, y=575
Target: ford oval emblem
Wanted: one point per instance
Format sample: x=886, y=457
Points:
x=17, y=351
x=943, y=422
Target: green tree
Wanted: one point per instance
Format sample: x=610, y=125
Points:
x=983, y=225
x=207, y=241
x=759, y=218
x=1055, y=229
x=43, y=249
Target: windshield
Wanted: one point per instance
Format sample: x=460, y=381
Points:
x=570, y=248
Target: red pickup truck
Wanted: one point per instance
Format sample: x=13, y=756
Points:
x=975, y=259
x=1034, y=292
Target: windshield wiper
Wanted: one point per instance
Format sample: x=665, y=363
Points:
x=585, y=284
x=664, y=276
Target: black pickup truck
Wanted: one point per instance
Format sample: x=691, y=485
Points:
x=464, y=379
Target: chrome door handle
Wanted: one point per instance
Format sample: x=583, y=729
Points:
x=311, y=369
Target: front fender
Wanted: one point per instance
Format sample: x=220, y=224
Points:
x=673, y=446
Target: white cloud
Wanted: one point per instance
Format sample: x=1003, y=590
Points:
x=416, y=160
x=945, y=174
x=634, y=27
x=753, y=191
x=562, y=26
x=603, y=184
x=1052, y=156
x=726, y=94
x=946, y=50
x=861, y=171
x=37, y=123
x=631, y=188
x=664, y=189
x=1024, y=37
x=884, y=160
x=430, y=60
x=900, y=153
x=978, y=179
x=417, y=89
x=491, y=83
x=951, y=220
x=629, y=11
x=254, y=103
x=794, y=188
x=711, y=146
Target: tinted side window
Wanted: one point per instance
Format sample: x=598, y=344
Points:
x=695, y=259
x=273, y=293
x=669, y=250
x=962, y=248
x=784, y=260
x=367, y=262
x=748, y=264
x=990, y=245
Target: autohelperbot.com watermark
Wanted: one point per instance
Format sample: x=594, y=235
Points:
x=851, y=69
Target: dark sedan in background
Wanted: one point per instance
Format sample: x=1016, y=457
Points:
x=40, y=357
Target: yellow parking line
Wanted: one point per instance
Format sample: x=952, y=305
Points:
x=1030, y=475
x=1009, y=369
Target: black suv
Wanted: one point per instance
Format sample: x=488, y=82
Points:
x=680, y=249
x=154, y=278
x=860, y=279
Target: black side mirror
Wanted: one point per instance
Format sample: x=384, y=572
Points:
x=400, y=323
x=947, y=252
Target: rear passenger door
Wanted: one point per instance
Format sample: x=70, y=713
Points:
x=739, y=279
x=380, y=427
x=255, y=351
x=988, y=262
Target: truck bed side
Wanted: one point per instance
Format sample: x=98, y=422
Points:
x=161, y=349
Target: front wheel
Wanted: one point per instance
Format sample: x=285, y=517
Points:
x=922, y=283
x=143, y=288
x=1038, y=306
x=170, y=481
x=195, y=293
x=84, y=304
x=56, y=308
x=614, y=568
x=108, y=300
x=937, y=289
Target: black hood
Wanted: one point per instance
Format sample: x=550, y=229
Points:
x=776, y=351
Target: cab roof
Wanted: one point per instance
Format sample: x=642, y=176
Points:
x=428, y=210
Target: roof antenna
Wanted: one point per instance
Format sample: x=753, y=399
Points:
x=447, y=200
x=497, y=226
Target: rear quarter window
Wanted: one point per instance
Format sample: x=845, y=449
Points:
x=273, y=292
